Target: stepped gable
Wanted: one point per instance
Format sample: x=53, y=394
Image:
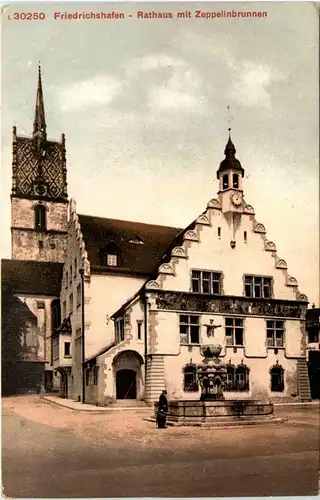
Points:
x=31, y=277
x=140, y=246
x=178, y=249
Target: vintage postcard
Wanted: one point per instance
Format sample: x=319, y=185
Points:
x=160, y=249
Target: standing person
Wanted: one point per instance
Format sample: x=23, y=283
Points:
x=162, y=410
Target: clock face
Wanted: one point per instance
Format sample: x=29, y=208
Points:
x=236, y=199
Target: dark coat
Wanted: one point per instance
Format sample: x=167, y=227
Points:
x=163, y=402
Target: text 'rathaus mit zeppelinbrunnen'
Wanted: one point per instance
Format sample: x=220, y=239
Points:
x=187, y=14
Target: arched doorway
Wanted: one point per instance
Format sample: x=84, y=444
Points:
x=128, y=376
x=126, y=384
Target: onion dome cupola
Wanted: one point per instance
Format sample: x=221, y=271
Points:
x=230, y=172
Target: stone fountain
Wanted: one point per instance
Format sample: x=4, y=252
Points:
x=213, y=409
x=212, y=373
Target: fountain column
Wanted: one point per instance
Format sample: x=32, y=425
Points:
x=212, y=373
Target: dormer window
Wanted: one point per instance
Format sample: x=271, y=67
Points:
x=111, y=259
x=225, y=181
x=40, y=216
x=235, y=181
x=136, y=240
x=110, y=255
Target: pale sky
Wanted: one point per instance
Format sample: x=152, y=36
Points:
x=143, y=104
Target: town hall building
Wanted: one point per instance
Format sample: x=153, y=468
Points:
x=114, y=309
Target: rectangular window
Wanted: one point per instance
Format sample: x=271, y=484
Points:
x=206, y=282
x=79, y=295
x=70, y=303
x=67, y=350
x=235, y=179
x=88, y=377
x=64, y=310
x=95, y=375
x=119, y=330
x=55, y=347
x=189, y=329
x=234, y=331
x=275, y=333
x=67, y=279
x=70, y=275
x=75, y=267
x=258, y=287
x=111, y=259
x=139, y=325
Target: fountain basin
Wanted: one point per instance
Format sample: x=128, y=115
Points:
x=228, y=412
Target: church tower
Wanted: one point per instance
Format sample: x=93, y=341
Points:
x=39, y=198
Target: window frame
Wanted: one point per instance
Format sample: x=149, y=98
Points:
x=79, y=295
x=40, y=218
x=279, y=387
x=95, y=374
x=225, y=185
x=238, y=378
x=139, y=331
x=55, y=348
x=64, y=349
x=274, y=328
x=208, y=277
x=235, y=181
x=193, y=386
x=111, y=259
x=233, y=327
x=119, y=329
x=71, y=300
x=64, y=309
x=255, y=284
x=189, y=326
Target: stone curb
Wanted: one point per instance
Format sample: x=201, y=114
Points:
x=221, y=425
x=308, y=403
x=90, y=408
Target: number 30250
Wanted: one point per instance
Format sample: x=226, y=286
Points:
x=29, y=16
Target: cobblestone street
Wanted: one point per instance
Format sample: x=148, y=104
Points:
x=61, y=453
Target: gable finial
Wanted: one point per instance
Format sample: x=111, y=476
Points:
x=39, y=124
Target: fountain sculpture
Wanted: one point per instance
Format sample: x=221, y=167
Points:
x=212, y=373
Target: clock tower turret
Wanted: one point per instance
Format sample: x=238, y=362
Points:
x=230, y=176
x=39, y=199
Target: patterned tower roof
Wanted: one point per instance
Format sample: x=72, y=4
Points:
x=39, y=165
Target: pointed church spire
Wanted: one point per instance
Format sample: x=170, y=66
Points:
x=39, y=124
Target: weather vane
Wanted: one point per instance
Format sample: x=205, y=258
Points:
x=229, y=118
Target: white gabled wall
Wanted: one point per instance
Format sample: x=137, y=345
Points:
x=105, y=294
x=214, y=253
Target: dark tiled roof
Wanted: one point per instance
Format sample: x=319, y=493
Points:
x=31, y=277
x=135, y=258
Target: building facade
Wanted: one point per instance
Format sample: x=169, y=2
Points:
x=223, y=283
x=120, y=309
